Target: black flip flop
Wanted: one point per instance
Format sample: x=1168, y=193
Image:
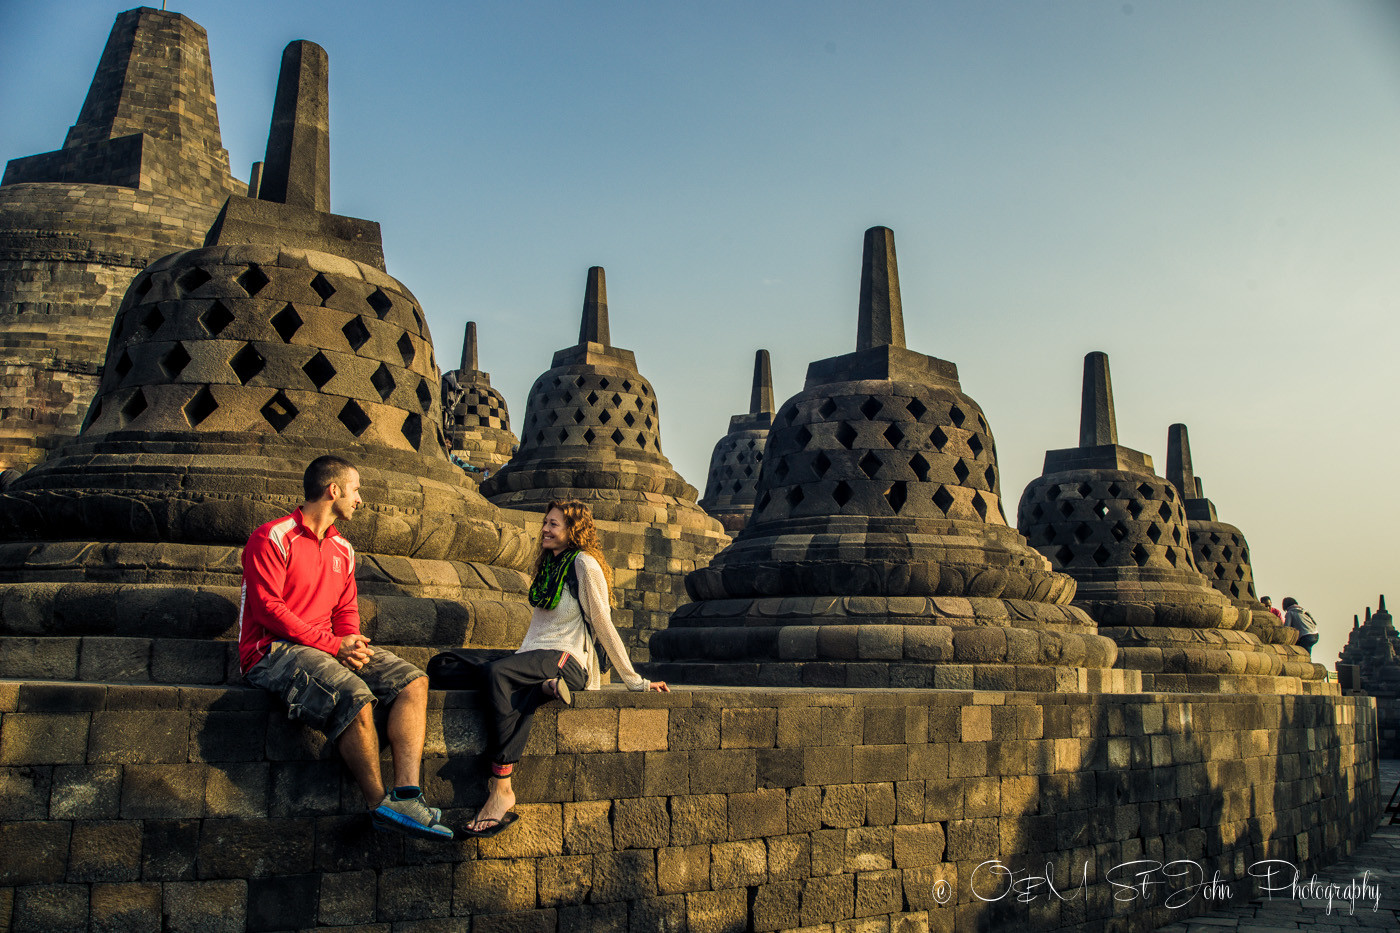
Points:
x=495, y=827
x=562, y=692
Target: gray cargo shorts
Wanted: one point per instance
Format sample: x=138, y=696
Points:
x=322, y=692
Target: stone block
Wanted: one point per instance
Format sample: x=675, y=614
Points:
x=205, y=906
x=643, y=730
x=727, y=771
x=693, y=728
x=163, y=791
x=804, y=809
x=843, y=806
x=624, y=876
x=419, y=892
x=827, y=899
x=748, y=728
x=283, y=902
x=967, y=760
x=168, y=849
x=347, y=898
x=237, y=790
x=666, y=774
x=105, y=851
x=699, y=818
x=51, y=908
x=682, y=869
x=717, y=911
x=539, y=778
x=127, y=660
x=825, y=765
x=758, y=814
x=658, y=913
x=972, y=839
x=776, y=906
x=141, y=737
x=872, y=763
x=590, y=918
x=641, y=823
x=799, y=726
x=484, y=887
x=125, y=908
x=587, y=827
x=879, y=804
x=255, y=848
x=780, y=767
x=218, y=735
x=869, y=848
x=563, y=880
x=188, y=661
x=918, y=846
x=878, y=892
x=45, y=848
x=608, y=776
x=537, y=831
x=588, y=730
x=44, y=738
x=828, y=853
x=24, y=792
x=738, y=864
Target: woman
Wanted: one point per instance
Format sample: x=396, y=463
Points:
x=557, y=655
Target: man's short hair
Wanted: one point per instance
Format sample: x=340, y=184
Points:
x=321, y=473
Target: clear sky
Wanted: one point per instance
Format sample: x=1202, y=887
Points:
x=1209, y=192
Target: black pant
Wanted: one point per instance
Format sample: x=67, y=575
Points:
x=513, y=684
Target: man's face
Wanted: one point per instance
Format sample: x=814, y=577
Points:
x=345, y=496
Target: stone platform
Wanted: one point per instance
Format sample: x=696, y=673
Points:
x=707, y=809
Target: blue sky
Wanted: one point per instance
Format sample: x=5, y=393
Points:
x=1209, y=192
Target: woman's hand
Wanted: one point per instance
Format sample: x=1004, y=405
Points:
x=659, y=686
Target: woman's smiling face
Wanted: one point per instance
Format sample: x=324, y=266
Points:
x=554, y=532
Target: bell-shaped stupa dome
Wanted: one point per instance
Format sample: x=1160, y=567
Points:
x=476, y=421
x=732, y=484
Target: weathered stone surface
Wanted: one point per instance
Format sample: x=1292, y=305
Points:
x=476, y=422
x=877, y=521
x=737, y=461
x=1101, y=515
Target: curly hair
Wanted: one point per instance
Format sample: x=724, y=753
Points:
x=582, y=534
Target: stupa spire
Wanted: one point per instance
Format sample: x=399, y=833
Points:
x=297, y=167
x=1179, y=462
x=1097, y=426
x=881, y=320
x=469, y=359
x=594, y=328
x=762, y=398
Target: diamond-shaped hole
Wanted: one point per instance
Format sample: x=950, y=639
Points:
x=1082, y=532
x=789, y=414
x=1145, y=491
x=1113, y=490
x=134, y=407
x=1066, y=509
x=617, y=400
x=1119, y=531
x=1166, y=512
x=153, y=320
x=1134, y=508
x=1154, y=532
x=143, y=286
x=253, y=280
x=920, y=466
x=413, y=429
x=938, y=438
x=975, y=443
x=846, y=435
x=379, y=303
x=1141, y=555
x=961, y=471
x=943, y=499
x=425, y=396
x=991, y=476
x=980, y=504
x=354, y=418
x=593, y=398
x=578, y=416
x=1101, y=555
x=193, y=279
x=870, y=408
x=123, y=365
x=319, y=370
x=1100, y=509
x=893, y=435
x=1037, y=511
x=955, y=414
x=617, y=436
x=322, y=287
x=175, y=361
x=278, y=412
x=916, y=408
x=199, y=408
x=287, y=322
x=383, y=382
x=247, y=363
x=406, y=350
x=828, y=408
x=869, y=465
x=1063, y=556
x=794, y=496
x=216, y=319
x=630, y=418
x=897, y=495
x=356, y=333
x=781, y=470
x=842, y=493
x=803, y=436
x=604, y=416
x=589, y=437
x=1084, y=490
x=1171, y=556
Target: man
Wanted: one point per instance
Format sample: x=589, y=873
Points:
x=299, y=637
x=1269, y=605
x=1298, y=618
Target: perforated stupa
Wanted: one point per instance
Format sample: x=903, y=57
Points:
x=730, y=488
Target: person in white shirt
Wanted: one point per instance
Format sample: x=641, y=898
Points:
x=570, y=595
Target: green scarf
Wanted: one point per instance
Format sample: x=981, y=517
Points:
x=548, y=585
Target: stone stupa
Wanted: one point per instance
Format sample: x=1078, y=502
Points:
x=229, y=368
x=142, y=173
x=592, y=431
x=476, y=421
x=730, y=488
x=877, y=554
x=1101, y=514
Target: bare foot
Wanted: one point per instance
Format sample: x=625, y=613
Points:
x=498, y=803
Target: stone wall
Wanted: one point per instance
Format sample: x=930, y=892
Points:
x=705, y=810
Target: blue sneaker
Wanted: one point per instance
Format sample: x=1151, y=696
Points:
x=409, y=815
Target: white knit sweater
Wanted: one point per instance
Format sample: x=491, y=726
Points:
x=563, y=629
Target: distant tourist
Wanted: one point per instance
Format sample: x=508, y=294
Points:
x=1269, y=605
x=1297, y=617
x=571, y=596
x=299, y=637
